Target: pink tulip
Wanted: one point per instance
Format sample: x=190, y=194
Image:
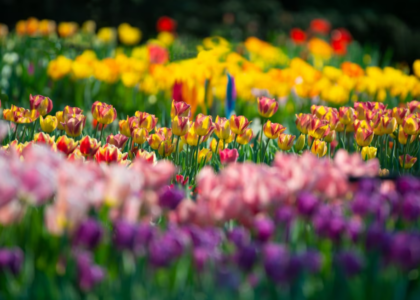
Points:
x=228, y=156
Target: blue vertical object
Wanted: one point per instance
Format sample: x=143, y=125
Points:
x=230, y=96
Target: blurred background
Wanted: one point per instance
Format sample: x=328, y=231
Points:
x=388, y=24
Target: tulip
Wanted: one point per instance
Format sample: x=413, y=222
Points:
x=389, y=125
x=191, y=137
x=228, y=156
x=9, y=114
x=414, y=107
x=319, y=148
x=42, y=138
x=110, y=154
x=403, y=137
x=363, y=137
x=140, y=135
x=76, y=155
x=204, y=154
x=222, y=128
x=346, y=115
x=202, y=124
x=285, y=141
x=146, y=120
x=209, y=133
x=273, y=130
x=245, y=138
x=238, y=124
x=267, y=107
x=331, y=117
x=264, y=228
x=330, y=137
x=369, y=152
x=410, y=125
x=360, y=109
x=165, y=132
x=319, y=111
x=26, y=116
x=302, y=122
x=125, y=127
x=170, y=197
x=180, y=125
x=149, y=157
x=74, y=125
x=154, y=140
x=69, y=112
x=103, y=113
x=66, y=145
x=217, y=143
x=307, y=204
x=408, y=162
x=88, y=234
x=89, y=146
x=117, y=140
x=399, y=114
x=60, y=119
x=49, y=124
x=40, y=103
x=339, y=127
x=300, y=143
x=180, y=109
x=166, y=148
x=318, y=128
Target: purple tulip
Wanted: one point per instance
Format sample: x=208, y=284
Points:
x=246, y=256
x=350, y=263
x=405, y=250
x=407, y=184
x=200, y=257
x=307, y=204
x=311, y=261
x=410, y=207
x=368, y=185
x=163, y=250
x=284, y=215
x=336, y=227
x=88, y=234
x=124, y=234
x=239, y=236
x=276, y=260
x=88, y=273
x=377, y=239
x=360, y=204
x=144, y=233
x=11, y=260
x=264, y=229
x=170, y=197
x=354, y=229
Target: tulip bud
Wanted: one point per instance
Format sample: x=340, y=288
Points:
x=150, y=157
x=181, y=109
x=146, y=120
x=318, y=128
x=76, y=155
x=219, y=144
x=238, y=124
x=273, y=130
x=409, y=161
x=110, y=154
x=154, y=140
x=399, y=114
x=103, y=113
x=410, y=125
x=319, y=148
x=166, y=148
x=40, y=103
x=228, y=156
x=140, y=135
x=204, y=154
x=330, y=136
x=346, y=115
x=42, y=138
x=285, y=141
x=117, y=140
x=300, y=143
x=364, y=137
x=369, y=152
x=267, y=107
x=191, y=137
x=89, y=146
x=69, y=112
x=245, y=138
x=49, y=124
x=74, y=125
x=125, y=127
x=389, y=125
x=339, y=127
x=60, y=119
x=165, y=132
x=202, y=124
x=180, y=125
x=66, y=145
x=302, y=122
x=222, y=128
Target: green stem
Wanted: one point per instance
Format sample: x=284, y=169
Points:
x=265, y=150
x=15, y=133
x=177, y=154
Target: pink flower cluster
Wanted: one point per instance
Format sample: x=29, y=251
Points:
x=242, y=191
